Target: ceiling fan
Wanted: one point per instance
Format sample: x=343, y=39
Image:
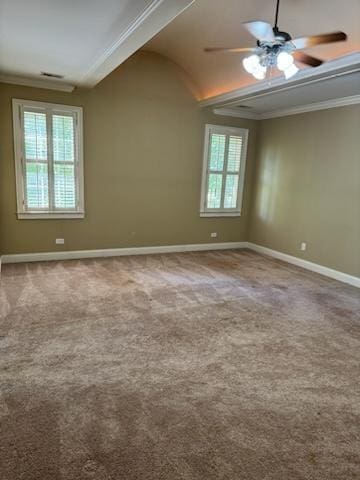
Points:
x=276, y=48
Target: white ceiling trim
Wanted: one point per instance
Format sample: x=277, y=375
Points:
x=237, y=112
x=340, y=66
x=153, y=19
x=125, y=35
x=37, y=83
x=311, y=107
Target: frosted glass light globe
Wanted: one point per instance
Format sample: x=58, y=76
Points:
x=284, y=60
x=290, y=71
x=251, y=63
x=260, y=73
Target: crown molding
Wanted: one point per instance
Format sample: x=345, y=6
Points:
x=37, y=83
x=153, y=19
x=334, y=68
x=311, y=107
x=236, y=112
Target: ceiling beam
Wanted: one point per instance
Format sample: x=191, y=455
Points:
x=341, y=66
x=311, y=107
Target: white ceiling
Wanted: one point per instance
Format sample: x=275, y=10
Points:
x=82, y=40
x=209, y=23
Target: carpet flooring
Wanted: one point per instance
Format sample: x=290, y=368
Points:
x=196, y=366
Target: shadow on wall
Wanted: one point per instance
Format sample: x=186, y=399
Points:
x=268, y=185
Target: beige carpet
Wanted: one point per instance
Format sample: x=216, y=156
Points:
x=197, y=366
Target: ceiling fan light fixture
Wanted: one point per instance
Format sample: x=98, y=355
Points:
x=252, y=63
x=290, y=71
x=284, y=61
x=275, y=48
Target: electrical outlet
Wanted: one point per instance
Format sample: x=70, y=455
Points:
x=59, y=241
x=303, y=246
x=213, y=234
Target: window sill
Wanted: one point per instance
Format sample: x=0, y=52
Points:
x=49, y=215
x=220, y=214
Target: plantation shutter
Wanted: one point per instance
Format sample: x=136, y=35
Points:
x=224, y=162
x=50, y=160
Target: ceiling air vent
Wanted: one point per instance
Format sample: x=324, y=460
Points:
x=51, y=75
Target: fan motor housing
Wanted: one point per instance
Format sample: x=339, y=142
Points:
x=282, y=36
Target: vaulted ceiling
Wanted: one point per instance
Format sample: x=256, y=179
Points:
x=82, y=41
x=208, y=23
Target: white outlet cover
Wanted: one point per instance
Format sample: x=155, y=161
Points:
x=213, y=235
x=303, y=246
x=60, y=241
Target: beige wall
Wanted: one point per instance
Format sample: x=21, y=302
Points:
x=307, y=187
x=143, y=134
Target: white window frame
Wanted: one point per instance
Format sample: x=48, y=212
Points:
x=223, y=212
x=77, y=113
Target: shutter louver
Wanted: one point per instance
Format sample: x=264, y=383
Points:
x=36, y=161
x=234, y=154
x=63, y=154
x=216, y=166
x=233, y=165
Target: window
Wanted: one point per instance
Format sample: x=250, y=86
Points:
x=223, y=171
x=48, y=160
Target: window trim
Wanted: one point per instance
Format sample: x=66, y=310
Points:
x=223, y=212
x=77, y=112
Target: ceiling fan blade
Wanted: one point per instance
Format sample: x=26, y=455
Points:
x=307, y=59
x=311, y=41
x=229, y=49
x=261, y=30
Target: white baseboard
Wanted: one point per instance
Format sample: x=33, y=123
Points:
x=314, y=267
x=118, y=252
